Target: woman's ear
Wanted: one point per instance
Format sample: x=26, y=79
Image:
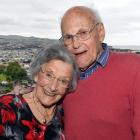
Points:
x=35, y=78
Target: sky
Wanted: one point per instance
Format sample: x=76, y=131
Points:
x=41, y=18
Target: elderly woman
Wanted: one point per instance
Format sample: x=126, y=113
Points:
x=38, y=115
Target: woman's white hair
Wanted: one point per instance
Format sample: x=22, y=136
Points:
x=51, y=52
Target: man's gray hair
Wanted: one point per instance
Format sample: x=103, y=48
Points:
x=51, y=52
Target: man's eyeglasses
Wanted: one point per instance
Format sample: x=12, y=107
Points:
x=82, y=35
x=49, y=75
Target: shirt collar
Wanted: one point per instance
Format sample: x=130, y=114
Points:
x=102, y=61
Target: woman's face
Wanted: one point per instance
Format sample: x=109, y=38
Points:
x=52, y=81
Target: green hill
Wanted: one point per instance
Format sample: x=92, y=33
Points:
x=15, y=41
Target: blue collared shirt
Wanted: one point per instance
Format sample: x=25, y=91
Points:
x=102, y=60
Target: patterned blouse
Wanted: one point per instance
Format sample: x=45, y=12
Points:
x=17, y=122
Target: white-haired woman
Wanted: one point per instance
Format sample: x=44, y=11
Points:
x=38, y=115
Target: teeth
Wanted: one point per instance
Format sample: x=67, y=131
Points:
x=50, y=94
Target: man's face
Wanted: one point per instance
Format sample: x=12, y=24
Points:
x=85, y=51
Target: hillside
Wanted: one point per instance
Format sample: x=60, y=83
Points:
x=21, y=42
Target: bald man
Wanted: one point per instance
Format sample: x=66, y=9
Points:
x=106, y=104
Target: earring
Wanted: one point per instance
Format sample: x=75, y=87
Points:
x=35, y=79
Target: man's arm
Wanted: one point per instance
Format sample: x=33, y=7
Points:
x=136, y=106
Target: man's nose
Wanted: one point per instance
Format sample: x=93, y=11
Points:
x=76, y=42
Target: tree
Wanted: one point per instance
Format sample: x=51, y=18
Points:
x=4, y=88
x=2, y=69
x=16, y=72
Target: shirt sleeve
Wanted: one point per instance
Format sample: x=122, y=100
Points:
x=7, y=114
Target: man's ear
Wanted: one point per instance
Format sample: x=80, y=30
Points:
x=101, y=32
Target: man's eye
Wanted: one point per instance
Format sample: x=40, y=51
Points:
x=67, y=37
x=83, y=33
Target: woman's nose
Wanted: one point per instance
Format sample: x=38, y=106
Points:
x=53, y=85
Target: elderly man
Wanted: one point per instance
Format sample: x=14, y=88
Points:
x=106, y=104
